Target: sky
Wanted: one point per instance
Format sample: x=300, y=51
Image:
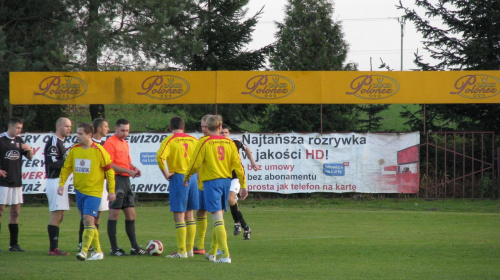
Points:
x=370, y=27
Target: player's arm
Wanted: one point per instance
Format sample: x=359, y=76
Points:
x=53, y=159
x=66, y=170
x=238, y=169
x=27, y=150
x=161, y=157
x=196, y=161
x=255, y=166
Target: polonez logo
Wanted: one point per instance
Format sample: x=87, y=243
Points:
x=12, y=155
x=374, y=87
x=476, y=86
x=62, y=87
x=164, y=87
x=269, y=86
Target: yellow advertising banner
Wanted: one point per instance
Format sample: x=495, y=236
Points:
x=112, y=87
x=255, y=87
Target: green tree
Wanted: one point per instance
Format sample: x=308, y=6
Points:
x=469, y=41
x=32, y=38
x=125, y=35
x=309, y=40
x=372, y=122
x=223, y=33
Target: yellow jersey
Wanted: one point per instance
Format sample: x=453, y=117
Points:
x=176, y=149
x=218, y=156
x=88, y=167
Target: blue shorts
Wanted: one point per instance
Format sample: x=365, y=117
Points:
x=88, y=205
x=183, y=198
x=216, y=193
x=201, y=200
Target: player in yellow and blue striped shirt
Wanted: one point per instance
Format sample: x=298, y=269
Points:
x=88, y=162
x=176, y=150
x=219, y=157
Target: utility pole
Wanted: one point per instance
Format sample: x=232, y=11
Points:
x=401, y=21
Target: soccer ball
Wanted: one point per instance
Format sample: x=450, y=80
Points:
x=154, y=248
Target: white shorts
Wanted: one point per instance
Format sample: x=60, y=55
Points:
x=11, y=196
x=56, y=202
x=104, y=206
x=235, y=187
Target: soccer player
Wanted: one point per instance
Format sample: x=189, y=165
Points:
x=201, y=213
x=12, y=148
x=89, y=162
x=176, y=150
x=219, y=157
x=54, y=160
x=118, y=148
x=101, y=129
x=239, y=222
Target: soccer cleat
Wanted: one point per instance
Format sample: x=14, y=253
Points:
x=16, y=248
x=190, y=254
x=118, y=253
x=137, y=252
x=197, y=251
x=82, y=256
x=58, y=252
x=246, y=234
x=96, y=256
x=178, y=255
x=210, y=257
x=224, y=260
x=237, y=229
x=80, y=247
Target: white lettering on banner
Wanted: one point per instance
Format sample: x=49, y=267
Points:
x=290, y=162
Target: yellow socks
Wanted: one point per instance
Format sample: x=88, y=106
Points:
x=201, y=231
x=190, y=234
x=180, y=237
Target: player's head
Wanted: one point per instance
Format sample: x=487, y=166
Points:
x=63, y=127
x=15, y=127
x=225, y=130
x=214, y=123
x=204, y=127
x=177, y=123
x=122, y=128
x=101, y=127
x=84, y=133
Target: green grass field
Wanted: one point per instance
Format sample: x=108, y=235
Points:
x=292, y=239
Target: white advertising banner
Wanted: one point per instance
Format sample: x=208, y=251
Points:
x=289, y=162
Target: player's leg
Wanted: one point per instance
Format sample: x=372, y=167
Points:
x=115, y=207
x=216, y=195
x=178, y=196
x=57, y=205
x=192, y=205
x=16, y=199
x=201, y=225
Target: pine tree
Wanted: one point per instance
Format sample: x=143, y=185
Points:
x=309, y=40
x=470, y=41
x=222, y=33
x=32, y=38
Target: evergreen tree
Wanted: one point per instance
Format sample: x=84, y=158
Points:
x=309, y=40
x=223, y=33
x=32, y=38
x=470, y=41
x=372, y=121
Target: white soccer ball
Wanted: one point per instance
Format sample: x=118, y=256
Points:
x=154, y=248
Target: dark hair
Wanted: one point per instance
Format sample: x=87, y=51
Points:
x=177, y=123
x=97, y=123
x=121, y=121
x=224, y=126
x=87, y=128
x=14, y=121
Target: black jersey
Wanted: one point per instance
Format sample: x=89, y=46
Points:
x=11, y=152
x=100, y=142
x=239, y=146
x=54, y=156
